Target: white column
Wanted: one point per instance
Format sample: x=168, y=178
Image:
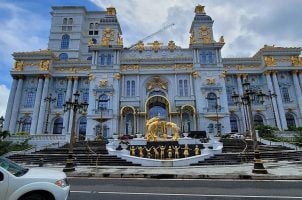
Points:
x=279, y=102
x=10, y=104
x=298, y=90
x=275, y=107
x=74, y=90
x=43, y=106
x=66, y=114
x=16, y=105
x=240, y=91
x=35, y=115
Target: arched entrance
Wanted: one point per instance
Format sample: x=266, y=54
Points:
x=157, y=106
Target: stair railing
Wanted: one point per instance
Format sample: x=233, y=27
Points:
x=242, y=154
x=93, y=152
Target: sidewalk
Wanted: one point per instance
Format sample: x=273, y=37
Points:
x=283, y=170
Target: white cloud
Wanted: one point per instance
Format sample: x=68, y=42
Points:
x=139, y=18
x=4, y=93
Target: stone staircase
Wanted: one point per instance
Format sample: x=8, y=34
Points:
x=95, y=154
x=233, y=153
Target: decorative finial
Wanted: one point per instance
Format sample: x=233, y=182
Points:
x=199, y=9
x=111, y=11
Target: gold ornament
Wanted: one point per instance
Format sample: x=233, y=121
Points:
x=296, y=61
x=140, y=46
x=108, y=35
x=195, y=75
x=90, y=42
x=44, y=65
x=199, y=9
x=269, y=61
x=204, y=34
x=117, y=76
x=103, y=83
x=192, y=38
x=156, y=46
x=119, y=39
x=111, y=11
x=171, y=46
x=210, y=81
x=19, y=64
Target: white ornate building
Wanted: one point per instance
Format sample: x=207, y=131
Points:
x=125, y=86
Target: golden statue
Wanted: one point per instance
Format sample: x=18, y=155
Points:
x=199, y=9
x=119, y=39
x=176, y=152
x=19, y=64
x=170, y=152
x=152, y=128
x=269, y=61
x=210, y=81
x=192, y=38
x=186, y=151
x=175, y=130
x=162, y=152
x=44, y=65
x=197, y=150
x=103, y=83
x=156, y=153
x=140, y=46
x=132, y=151
x=171, y=46
x=221, y=39
x=148, y=152
x=141, y=153
x=90, y=42
x=156, y=46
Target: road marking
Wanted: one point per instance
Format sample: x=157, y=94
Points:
x=191, y=195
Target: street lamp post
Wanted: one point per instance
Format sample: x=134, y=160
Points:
x=48, y=100
x=75, y=106
x=246, y=99
x=1, y=122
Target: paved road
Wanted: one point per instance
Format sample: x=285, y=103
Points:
x=136, y=189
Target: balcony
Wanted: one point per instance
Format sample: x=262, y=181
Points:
x=103, y=113
x=213, y=110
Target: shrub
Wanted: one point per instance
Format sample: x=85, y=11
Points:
x=266, y=131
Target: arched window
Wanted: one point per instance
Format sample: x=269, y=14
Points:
x=186, y=122
x=65, y=41
x=70, y=21
x=58, y=126
x=65, y=21
x=132, y=88
x=30, y=100
x=290, y=120
x=212, y=101
x=82, y=128
x=103, y=102
x=26, y=125
x=60, y=100
x=285, y=95
x=96, y=26
x=234, y=123
x=258, y=120
x=91, y=26
x=129, y=129
x=63, y=56
x=109, y=60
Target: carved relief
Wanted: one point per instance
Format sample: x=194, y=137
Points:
x=91, y=77
x=210, y=81
x=269, y=61
x=171, y=46
x=44, y=65
x=195, y=75
x=117, y=76
x=108, y=35
x=157, y=82
x=296, y=61
x=119, y=39
x=103, y=83
x=140, y=46
x=19, y=64
x=205, y=35
x=223, y=74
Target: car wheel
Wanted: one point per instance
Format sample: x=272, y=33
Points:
x=37, y=196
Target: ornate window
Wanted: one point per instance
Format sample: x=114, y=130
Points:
x=109, y=59
x=82, y=128
x=65, y=21
x=67, y=24
x=183, y=87
x=234, y=123
x=58, y=126
x=65, y=41
x=285, y=95
x=93, y=29
x=30, y=100
x=70, y=21
x=290, y=120
x=60, y=100
x=102, y=59
x=63, y=56
x=26, y=125
x=130, y=88
x=186, y=90
x=258, y=120
x=212, y=101
x=207, y=57
x=180, y=86
x=229, y=92
x=210, y=55
x=103, y=102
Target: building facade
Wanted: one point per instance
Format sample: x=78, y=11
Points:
x=126, y=86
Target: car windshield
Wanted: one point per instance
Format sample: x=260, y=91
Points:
x=12, y=167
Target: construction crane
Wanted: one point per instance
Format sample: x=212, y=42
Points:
x=150, y=36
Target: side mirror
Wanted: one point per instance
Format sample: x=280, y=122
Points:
x=1, y=176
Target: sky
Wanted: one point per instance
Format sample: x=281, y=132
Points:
x=246, y=25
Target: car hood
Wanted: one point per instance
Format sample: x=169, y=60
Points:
x=44, y=173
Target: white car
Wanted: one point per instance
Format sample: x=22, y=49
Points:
x=19, y=183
